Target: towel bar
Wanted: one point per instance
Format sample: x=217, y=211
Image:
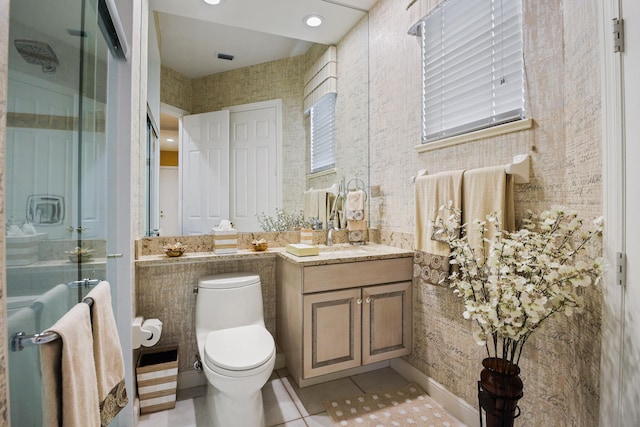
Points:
x=519, y=168
x=19, y=339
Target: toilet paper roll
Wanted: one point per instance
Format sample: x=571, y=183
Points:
x=153, y=327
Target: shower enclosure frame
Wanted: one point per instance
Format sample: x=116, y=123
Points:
x=94, y=129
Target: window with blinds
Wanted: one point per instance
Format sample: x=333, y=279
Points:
x=472, y=67
x=323, y=133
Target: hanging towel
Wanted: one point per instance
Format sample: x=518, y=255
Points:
x=307, y=203
x=69, y=385
x=323, y=206
x=107, y=352
x=24, y=372
x=51, y=306
x=356, y=217
x=487, y=190
x=432, y=192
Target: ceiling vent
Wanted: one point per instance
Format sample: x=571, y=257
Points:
x=225, y=56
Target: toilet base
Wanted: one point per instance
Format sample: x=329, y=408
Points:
x=242, y=410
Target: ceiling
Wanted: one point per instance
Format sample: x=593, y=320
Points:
x=192, y=33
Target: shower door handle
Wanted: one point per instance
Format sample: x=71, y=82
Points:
x=115, y=255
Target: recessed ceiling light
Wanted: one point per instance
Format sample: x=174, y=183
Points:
x=313, y=20
x=214, y=2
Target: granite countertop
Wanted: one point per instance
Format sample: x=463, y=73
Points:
x=347, y=253
x=328, y=255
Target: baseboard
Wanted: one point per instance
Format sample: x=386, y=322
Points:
x=449, y=401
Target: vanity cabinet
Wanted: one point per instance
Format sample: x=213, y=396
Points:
x=340, y=316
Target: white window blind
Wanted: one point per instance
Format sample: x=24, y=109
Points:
x=472, y=67
x=323, y=133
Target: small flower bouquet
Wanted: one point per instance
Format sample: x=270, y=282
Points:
x=523, y=278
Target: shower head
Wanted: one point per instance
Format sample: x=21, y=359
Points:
x=39, y=53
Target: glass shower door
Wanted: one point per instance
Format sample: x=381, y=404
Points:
x=57, y=173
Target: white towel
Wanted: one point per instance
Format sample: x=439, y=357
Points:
x=307, y=203
x=356, y=216
x=487, y=190
x=24, y=372
x=107, y=352
x=69, y=385
x=355, y=200
x=51, y=306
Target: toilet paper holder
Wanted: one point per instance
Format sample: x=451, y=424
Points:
x=145, y=333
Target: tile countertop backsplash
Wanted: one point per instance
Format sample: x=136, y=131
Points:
x=341, y=252
x=204, y=243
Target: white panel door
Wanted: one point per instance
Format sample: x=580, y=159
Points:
x=630, y=387
x=253, y=139
x=620, y=377
x=204, y=171
x=168, y=201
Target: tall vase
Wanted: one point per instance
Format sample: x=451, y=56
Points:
x=499, y=390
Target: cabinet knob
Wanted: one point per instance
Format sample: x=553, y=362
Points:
x=359, y=301
x=368, y=300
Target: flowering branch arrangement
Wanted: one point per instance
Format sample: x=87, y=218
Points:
x=283, y=221
x=524, y=277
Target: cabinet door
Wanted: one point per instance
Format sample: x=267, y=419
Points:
x=386, y=322
x=332, y=332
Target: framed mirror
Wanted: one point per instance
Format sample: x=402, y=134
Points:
x=196, y=75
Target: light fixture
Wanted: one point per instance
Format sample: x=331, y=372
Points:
x=213, y=2
x=313, y=20
x=170, y=140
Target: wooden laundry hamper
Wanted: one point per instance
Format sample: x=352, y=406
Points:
x=157, y=378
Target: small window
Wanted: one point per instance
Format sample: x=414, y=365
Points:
x=472, y=67
x=323, y=133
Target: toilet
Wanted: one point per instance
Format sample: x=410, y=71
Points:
x=237, y=351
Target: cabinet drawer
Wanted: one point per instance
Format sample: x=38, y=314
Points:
x=318, y=278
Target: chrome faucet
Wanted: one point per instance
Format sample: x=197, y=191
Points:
x=330, y=229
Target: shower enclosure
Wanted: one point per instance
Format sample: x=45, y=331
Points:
x=59, y=169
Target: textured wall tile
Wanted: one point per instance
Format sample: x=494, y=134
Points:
x=560, y=366
x=166, y=292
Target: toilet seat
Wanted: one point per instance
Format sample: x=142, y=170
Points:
x=235, y=351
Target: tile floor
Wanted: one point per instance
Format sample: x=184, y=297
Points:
x=285, y=404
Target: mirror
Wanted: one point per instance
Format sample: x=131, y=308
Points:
x=281, y=78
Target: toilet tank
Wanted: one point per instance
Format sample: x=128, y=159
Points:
x=229, y=300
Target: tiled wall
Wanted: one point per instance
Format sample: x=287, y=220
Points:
x=560, y=364
x=175, y=89
x=4, y=44
x=165, y=291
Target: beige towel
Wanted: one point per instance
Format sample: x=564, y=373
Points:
x=69, y=386
x=432, y=192
x=487, y=190
x=107, y=352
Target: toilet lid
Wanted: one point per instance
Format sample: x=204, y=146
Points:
x=239, y=349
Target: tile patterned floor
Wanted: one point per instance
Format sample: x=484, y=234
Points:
x=285, y=404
